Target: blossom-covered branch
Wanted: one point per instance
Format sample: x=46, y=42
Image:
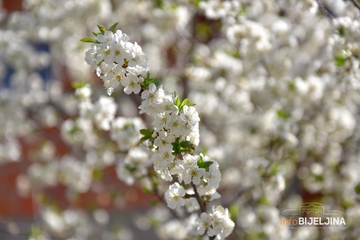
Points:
x=172, y=141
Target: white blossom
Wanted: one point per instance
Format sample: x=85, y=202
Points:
x=174, y=196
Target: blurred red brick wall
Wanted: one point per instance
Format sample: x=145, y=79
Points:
x=12, y=5
x=12, y=206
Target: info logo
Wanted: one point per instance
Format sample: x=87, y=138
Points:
x=312, y=214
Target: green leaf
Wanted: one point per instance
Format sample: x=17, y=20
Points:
x=185, y=144
x=177, y=100
x=263, y=201
x=205, y=165
x=174, y=6
x=347, y=203
x=78, y=84
x=153, y=221
x=95, y=34
x=146, y=190
x=234, y=211
x=149, y=81
x=102, y=29
x=97, y=174
x=202, y=164
x=274, y=169
x=89, y=39
x=196, y=2
x=242, y=11
x=283, y=114
x=130, y=169
x=113, y=27
x=35, y=232
x=341, y=31
x=292, y=86
x=145, y=138
x=185, y=102
x=357, y=188
x=176, y=146
x=146, y=132
x=203, y=31
x=319, y=178
x=340, y=60
x=154, y=203
x=159, y=3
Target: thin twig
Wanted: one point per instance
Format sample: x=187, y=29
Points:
x=324, y=10
x=198, y=198
x=237, y=196
x=356, y=3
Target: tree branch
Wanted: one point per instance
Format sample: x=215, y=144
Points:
x=356, y=3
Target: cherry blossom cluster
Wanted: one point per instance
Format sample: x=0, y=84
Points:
x=117, y=60
x=172, y=141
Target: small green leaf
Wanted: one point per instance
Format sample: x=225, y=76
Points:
x=149, y=81
x=78, y=84
x=146, y=132
x=197, y=2
x=202, y=164
x=205, y=165
x=347, y=203
x=153, y=221
x=146, y=190
x=102, y=29
x=234, y=211
x=283, y=114
x=341, y=31
x=35, y=232
x=292, y=86
x=253, y=130
x=319, y=178
x=242, y=11
x=174, y=6
x=340, y=60
x=274, y=169
x=263, y=201
x=144, y=138
x=89, y=39
x=185, y=102
x=177, y=100
x=97, y=174
x=176, y=146
x=357, y=188
x=113, y=27
x=130, y=169
x=159, y=3
x=95, y=34
x=154, y=203
x=185, y=144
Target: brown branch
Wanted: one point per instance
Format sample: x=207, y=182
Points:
x=356, y=3
x=198, y=198
x=237, y=196
x=326, y=11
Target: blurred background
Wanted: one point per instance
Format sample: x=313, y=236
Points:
x=275, y=82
